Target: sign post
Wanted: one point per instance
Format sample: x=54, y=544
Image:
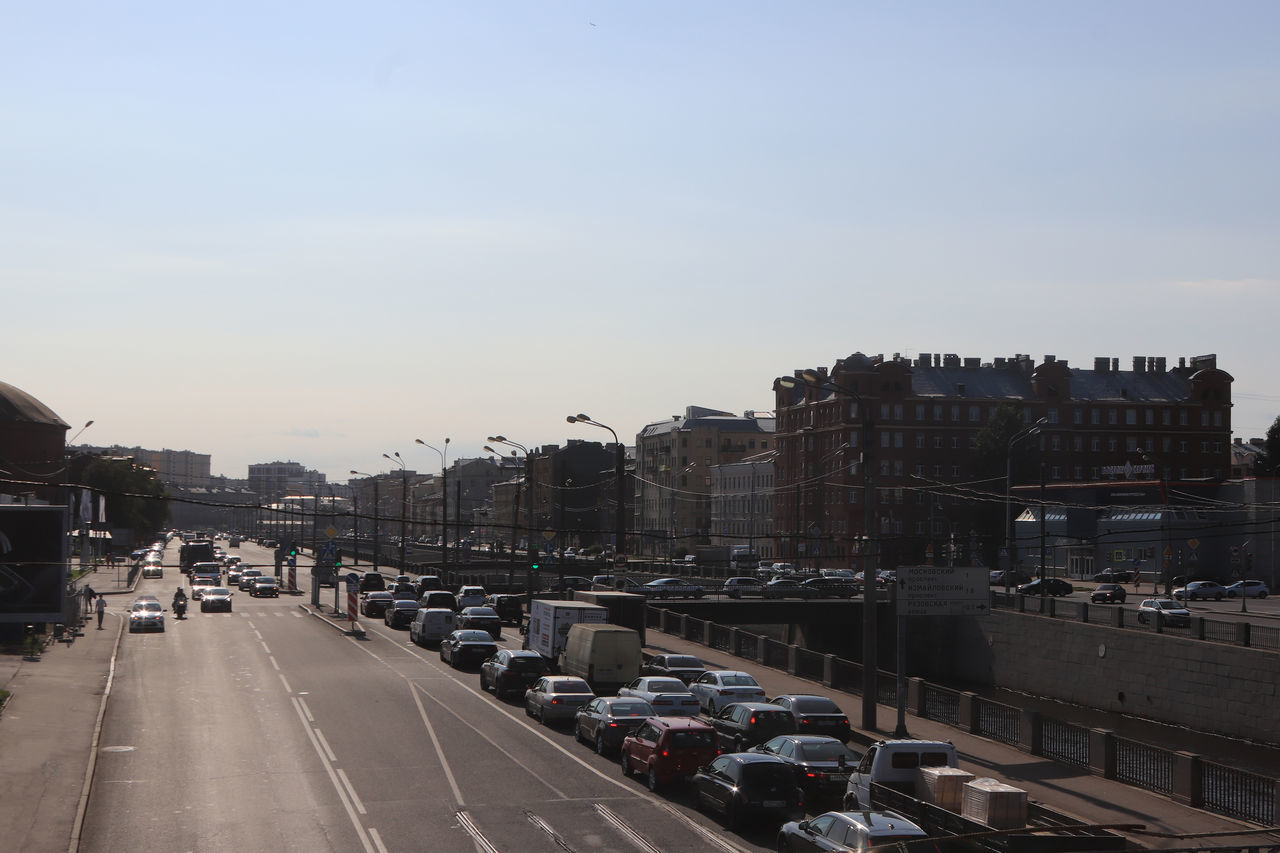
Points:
x=353, y=594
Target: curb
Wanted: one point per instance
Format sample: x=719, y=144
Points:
x=358, y=632
x=78, y=826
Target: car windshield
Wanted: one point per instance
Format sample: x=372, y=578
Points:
x=738, y=681
x=571, y=685
x=768, y=773
x=692, y=740
x=826, y=751
x=814, y=705
x=148, y=606
x=482, y=611
x=683, y=660
x=631, y=709
x=666, y=685
x=218, y=590
x=527, y=665
x=474, y=637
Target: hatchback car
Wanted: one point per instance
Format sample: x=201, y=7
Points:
x=749, y=785
x=400, y=613
x=719, y=687
x=146, y=616
x=822, y=764
x=556, y=697
x=1251, y=589
x=1108, y=593
x=482, y=619
x=1171, y=611
x=1046, y=586
x=471, y=596
x=815, y=715
x=467, y=648
x=512, y=671
x=848, y=831
x=666, y=749
x=606, y=720
x=216, y=599
x=376, y=603
x=1197, y=590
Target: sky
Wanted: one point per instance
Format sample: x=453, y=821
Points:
x=315, y=233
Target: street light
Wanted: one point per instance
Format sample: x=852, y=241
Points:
x=376, y=504
x=444, y=504
x=515, y=521
x=869, y=592
x=1010, y=543
x=404, y=500
x=77, y=435
x=619, y=476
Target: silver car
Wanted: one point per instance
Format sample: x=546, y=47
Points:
x=667, y=696
x=556, y=697
x=1172, y=611
x=146, y=616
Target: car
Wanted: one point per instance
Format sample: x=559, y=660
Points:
x=232, y=562
x=467, y=646
x=508, y=607
x=152, y=570
x=666, y=695
x=1108, y=593
x=667, y=749
x=146, y=616
x=1173, y=612
x=815, y=715
x=739, y=587
x=606, y=720
x=471, y=596
x=199, y=583
x=716, y=688
x=821, y=763
x=672, y=588
x=833, y=587
x=1009, y=577
x=427, y=583
x=745, y=724
x=512, y=671
x=787, y=588
x=749, y=786
x=375, y=603
x=1251, y=589
x=603, y=581
x=245, y=583
x=1046, y=586
x=265, y=586
x=1197, y=590
x=481, y=618
x=569, y=554
x=576, y=583
x=373, y=582
x=400, y=612
x=399, y=579
x=217, y=598
x=684, y=667
x=234, y=573
x=439, y=598
x=432, y=625
x=556, y=697
x=403, y=590
x=840, y=830
x=1113, y=576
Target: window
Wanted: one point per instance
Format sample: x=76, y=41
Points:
x=1150, y=415
x=1056, y=473
x=919, y=411
x=884, y=411
x=897, y=439
x=1078, y=416
x=937, y=413
x=1095, y=445
x=1131, y=444
x=1055, y=443
x=975, y=413
x=1131, y=417
x=1077, y=443
x=919, y=441
x=1052, y=415
x=955, y=442
x=897, y=411
x=955, y=413
x=1217, y=419
x=1113, y=416
x=1165, y=417
x=1204, y=419
x=937, y=442
x=1182, y=418
x=1095, y=417
x=884, y=439
x=897, y=467
x=955, y=470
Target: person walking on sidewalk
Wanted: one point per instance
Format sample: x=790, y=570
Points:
x=101, y=607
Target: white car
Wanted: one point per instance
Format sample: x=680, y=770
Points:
x=668, y=696
x=1173, y=611
x=1252, y=589
x=146, y=615
x=719, y=687
x=471, y=596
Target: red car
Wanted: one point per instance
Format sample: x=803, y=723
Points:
x=669, y=748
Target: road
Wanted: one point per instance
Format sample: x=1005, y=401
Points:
x=266, y=727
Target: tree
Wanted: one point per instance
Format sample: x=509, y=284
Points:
x=1269, y=461
x=136, y=500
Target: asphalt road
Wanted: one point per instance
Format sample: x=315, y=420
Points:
x=268, y=728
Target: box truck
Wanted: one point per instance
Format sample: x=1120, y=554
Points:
x=550, y=621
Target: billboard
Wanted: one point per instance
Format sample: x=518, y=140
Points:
x=32, y=563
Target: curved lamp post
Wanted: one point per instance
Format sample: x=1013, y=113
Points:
x=870, y=654
x=515, y=521
x=375, y=515
x=404, y=501
x=1010, y=539
x=619, y=475
x=444, y=503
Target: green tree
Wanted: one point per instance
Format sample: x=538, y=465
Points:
x=136, y=500
x=1269, y=462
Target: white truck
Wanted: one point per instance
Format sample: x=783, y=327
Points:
x=550, y=621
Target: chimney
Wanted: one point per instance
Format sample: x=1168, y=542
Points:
x=1115, y=365
x=1139, y=363
x=1160, y=368
x=1100, y=365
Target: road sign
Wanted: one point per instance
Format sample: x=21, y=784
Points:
x=331, y=532
x=329, y=551
x=944, y=590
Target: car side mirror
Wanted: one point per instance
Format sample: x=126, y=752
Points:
x=804, y=826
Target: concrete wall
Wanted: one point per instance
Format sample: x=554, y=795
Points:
x=1207, y=686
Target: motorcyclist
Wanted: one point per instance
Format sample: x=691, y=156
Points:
x=180, y=600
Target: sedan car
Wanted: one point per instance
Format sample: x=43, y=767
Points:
x=745, y=724
x=512, y=671
x=815, y=715
x=1113, y=576
x=822, y=764
x=606, y=720
x=467, y=646
x=748, y=785
x=738, y=587
x=1173, y=613
x=668, y=696
x=672, y=588
x=481, y=619
x=1009, y=577
x=1108, y=593
x=376, y=603
x=146, y=616
x=246, y=578
x=265, y=586
x=200, y=583
x=719, y=687
x=400, y=613
x=787, y=588
x=216, y=598
x=684, y=667
x=556, y=697
x=1197, y=590
x=1251, y=589
x=848, y=831
x=1046, y=586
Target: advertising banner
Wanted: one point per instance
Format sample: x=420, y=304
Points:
x=32, y=563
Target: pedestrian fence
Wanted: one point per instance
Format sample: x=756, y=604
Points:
x=1182, y=776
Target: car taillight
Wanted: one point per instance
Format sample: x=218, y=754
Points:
x=753, y=721
x=613, y=725
x=555, y=701
x=805, y=721
x=723, y=692
x=666, y=753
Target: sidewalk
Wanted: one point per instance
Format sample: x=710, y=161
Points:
x=1090, y=798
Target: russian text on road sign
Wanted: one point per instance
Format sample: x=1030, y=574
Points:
x=943, y=590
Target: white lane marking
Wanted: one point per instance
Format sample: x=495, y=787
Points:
x=273, y=662
x=283, y=681
x=328, y=750
x=482, y=844
x=377, y=840
x=337, y=783
x=306, y=709
x=266, y=648
x=444, y=762
x=628, y=832
x=355, y=798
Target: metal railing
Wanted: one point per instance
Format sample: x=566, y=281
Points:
x=1144, y=766
x=1065, y=742
x=998, y=721
x=1238, y=793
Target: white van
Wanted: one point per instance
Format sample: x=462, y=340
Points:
x=607, y=656
x=431, y=625
x=894, y=763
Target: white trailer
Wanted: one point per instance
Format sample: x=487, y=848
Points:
x=550, y=621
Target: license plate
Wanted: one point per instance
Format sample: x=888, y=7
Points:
x=774, y=804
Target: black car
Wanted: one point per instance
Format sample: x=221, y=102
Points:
x=512, y=671
x=376, y=603
x=833, y=587
x=372, y=582
x=822, y=764
x=1046, y=586
x=1114, y=576
x=265, y=586
x=508, y=607
x=482, y=619
x=1009, y=577
x=606, y=720
x=745, y=724
x=403, y=591
x=467, y=647
x=427, y=583
x=217, y=598
x=400, y=612
x=787, y=588
x=749, y=785
x=684, y=667
x=1108, y=593
x=815, y=715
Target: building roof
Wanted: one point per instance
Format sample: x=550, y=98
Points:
x=697, y=417
x=18, y=405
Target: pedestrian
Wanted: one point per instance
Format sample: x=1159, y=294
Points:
x=101, y=608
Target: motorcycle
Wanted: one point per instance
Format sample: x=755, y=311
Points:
x=180, y=608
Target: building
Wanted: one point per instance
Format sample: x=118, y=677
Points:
x=924, y=419
x=742, y=504
x=273, y=480
x=675, y=460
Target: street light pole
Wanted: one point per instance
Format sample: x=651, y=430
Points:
x=376, y=504
x=444, y=500
x=619, y=476
x=1010, y=541
x=528, y=473
x=404, y=499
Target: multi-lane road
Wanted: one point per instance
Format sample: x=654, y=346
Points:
x=267, y=728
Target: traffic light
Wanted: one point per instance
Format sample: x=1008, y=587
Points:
x=293, y=549
x=533, y=561
x=337, y=560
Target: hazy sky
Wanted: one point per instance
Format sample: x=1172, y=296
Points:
x=315, y=232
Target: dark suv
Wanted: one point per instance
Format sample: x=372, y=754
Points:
x=669, y=748
x=1108, y=593
x=746, y=724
